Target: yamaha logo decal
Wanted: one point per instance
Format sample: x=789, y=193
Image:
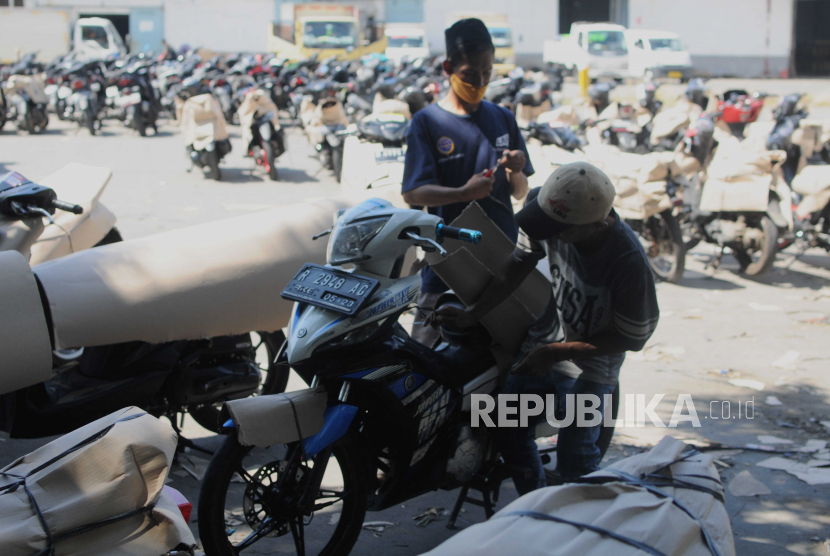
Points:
x=302, y=332
x=409, y=383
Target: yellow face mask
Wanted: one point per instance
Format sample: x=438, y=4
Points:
x=466, y=92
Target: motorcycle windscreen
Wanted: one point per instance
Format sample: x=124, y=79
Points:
x=209, y=280
x=24, y=334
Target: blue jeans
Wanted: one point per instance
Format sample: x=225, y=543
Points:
x=577, y=453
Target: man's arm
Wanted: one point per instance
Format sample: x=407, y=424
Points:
x=431, y=195
x=539, y=361
x=518, y=184
x=518, y=267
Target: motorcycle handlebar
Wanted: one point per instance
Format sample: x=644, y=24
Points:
x=68, y=207
x=461, y=234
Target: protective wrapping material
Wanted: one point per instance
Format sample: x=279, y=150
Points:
x=209, y=280
x=468, y=268
x=203, y=121
x=20, y=235
x=814, y=183
x=732, y=163
x=566, y=113
x=658, y=166
x=82, y=185
x=270, y=420
x=634, y=499
x=256, y=102
x=743, y=193
x=32, y=85
x=24, y=334
x=114, y=466
x=526, y=114
x=669, y=121
x=392, y=106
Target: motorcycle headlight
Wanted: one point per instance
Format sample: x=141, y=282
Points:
x=347, y=242
x=354, y=336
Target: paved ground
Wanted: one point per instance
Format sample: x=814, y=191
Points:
x=715, y=327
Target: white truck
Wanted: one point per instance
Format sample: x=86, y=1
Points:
x=50, y=34
x=406, y=40
x=654, y=54
x=600, y=47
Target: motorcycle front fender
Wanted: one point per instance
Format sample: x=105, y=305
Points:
x=282, y=418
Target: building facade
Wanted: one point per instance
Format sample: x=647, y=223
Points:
x=748, y=38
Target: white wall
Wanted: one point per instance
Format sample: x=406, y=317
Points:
x=219, y=25
x=532, y=21
x=719, y=27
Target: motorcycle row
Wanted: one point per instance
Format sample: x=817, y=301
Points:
x=714, y=168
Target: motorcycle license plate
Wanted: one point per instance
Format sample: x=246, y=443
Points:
x=112, y=92
x=677, y=74
x=130, y=99
x=389, y=155
x=329, y=288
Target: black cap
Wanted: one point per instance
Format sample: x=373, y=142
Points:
x=466, y=38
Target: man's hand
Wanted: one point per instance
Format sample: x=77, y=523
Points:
x=539, y=360
x=514, y=160
x=478, y=187
x=453, y=316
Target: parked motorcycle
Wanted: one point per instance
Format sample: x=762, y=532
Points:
x=261, y=131
x=81, y=94
x=396, y=422
x=205, y=133
x=169, y=379
x=134, y=95
x=740, y=210
x=327, y=119
x=26, y=103
x=739, y=108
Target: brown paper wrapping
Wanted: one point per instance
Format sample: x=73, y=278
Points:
x=628, y=510
x=24, y=334
x=121, y=471
x=202, y=121
x=256, y=102
x=209, y=280
x=269, y=420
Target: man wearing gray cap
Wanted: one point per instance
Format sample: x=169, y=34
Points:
x=603, y=304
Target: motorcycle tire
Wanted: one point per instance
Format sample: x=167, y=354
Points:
x=213, y=164
x=140, y=124
x=270, y=156
x=2, y=117
x=29, y=123
x=89, y=123
x=276, y=380
x=825, y=153
x=769, y=248
x=337, y=162
x=669, y=228
x=222, y=478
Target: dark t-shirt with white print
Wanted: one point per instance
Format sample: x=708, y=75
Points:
x=612, y=289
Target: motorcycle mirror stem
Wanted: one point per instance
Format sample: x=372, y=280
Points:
x=321, y=234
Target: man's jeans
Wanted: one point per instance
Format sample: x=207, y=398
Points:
x=577, y=453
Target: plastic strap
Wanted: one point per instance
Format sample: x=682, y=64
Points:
x=12, y=487
x=616, y=536
x=710, y=544
x=297, y=424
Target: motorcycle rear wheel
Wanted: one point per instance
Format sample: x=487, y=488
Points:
x=213, y=164
x=337, y=162
x=759, y=266
x=232, y=512
x=274, y=379
x=669, y=259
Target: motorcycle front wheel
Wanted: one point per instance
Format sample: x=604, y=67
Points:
x=667, y=255
x=249, y=501
x=270, y=158
x=274, y=378
x=337, y=162
x=759, y=261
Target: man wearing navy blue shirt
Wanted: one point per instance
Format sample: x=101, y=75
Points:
x=452, y=144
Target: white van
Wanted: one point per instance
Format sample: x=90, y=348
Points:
x=407, y=40
x=601, y=47
x=653, y=54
